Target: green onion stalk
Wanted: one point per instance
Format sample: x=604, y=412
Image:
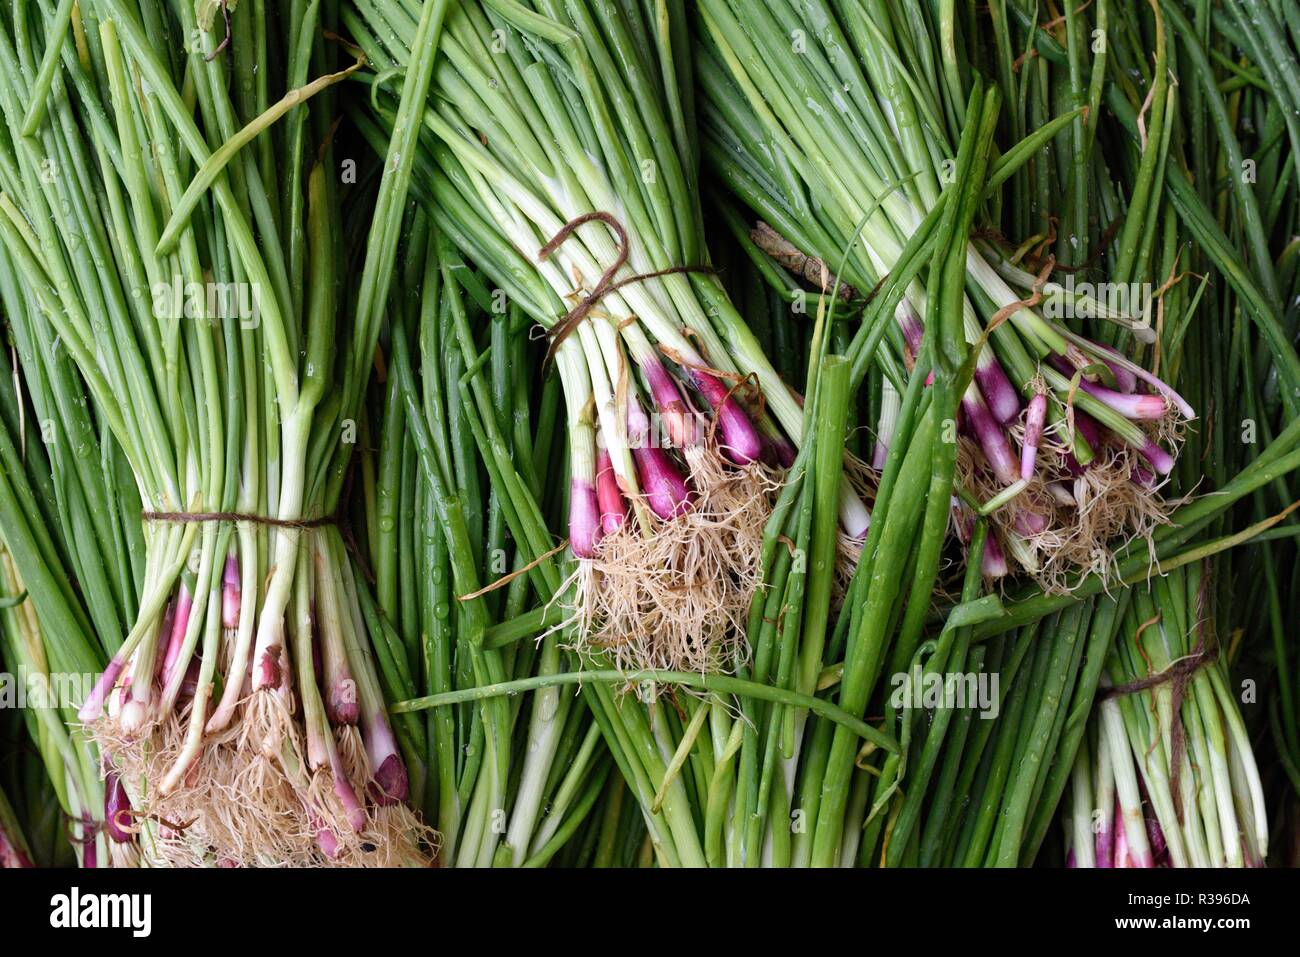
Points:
x=33, y=825
x=616, y=836
x=558, y=153
x=15, y=851
x=184, y=247
x=835, y=123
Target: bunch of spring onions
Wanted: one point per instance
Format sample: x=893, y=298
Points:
x=1152, y=645
x=559, y=155
x=1177, y=755
x=1236, y=189
x=987, y=773
x=99, y=821
x=185, y=251
x=1179, y=758
x=510, y=780
x=1133, y=740
x=996, y=775
x=1171, y=777
x=60, y=525
x=835, y=122
x=994, y=783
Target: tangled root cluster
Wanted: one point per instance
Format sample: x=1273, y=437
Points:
x=250, y=799
x=1071, y=522
x=677, y=598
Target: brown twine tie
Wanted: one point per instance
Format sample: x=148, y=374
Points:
x=564, y=328
x=195, y=518
x=1178, y=674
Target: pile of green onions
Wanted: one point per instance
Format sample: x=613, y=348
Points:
x=500, y=498
x=186, y=254
x=556, y=153
x=60, y=525
x=463, y=578
x=834, y=121
x=1152, y=790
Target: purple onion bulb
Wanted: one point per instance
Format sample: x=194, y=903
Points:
x=665, y=490
x=584, y=519
x=992, y=440
x=740, y=439
x=613, y=507
x=230, y=594
x=1034, y=421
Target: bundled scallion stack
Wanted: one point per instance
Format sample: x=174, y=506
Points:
x=558, y=155
x=71, y=555
x=187, y=254
x=584, y=573
x=1170, y=778
x=463, y=578
x=835, y=121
